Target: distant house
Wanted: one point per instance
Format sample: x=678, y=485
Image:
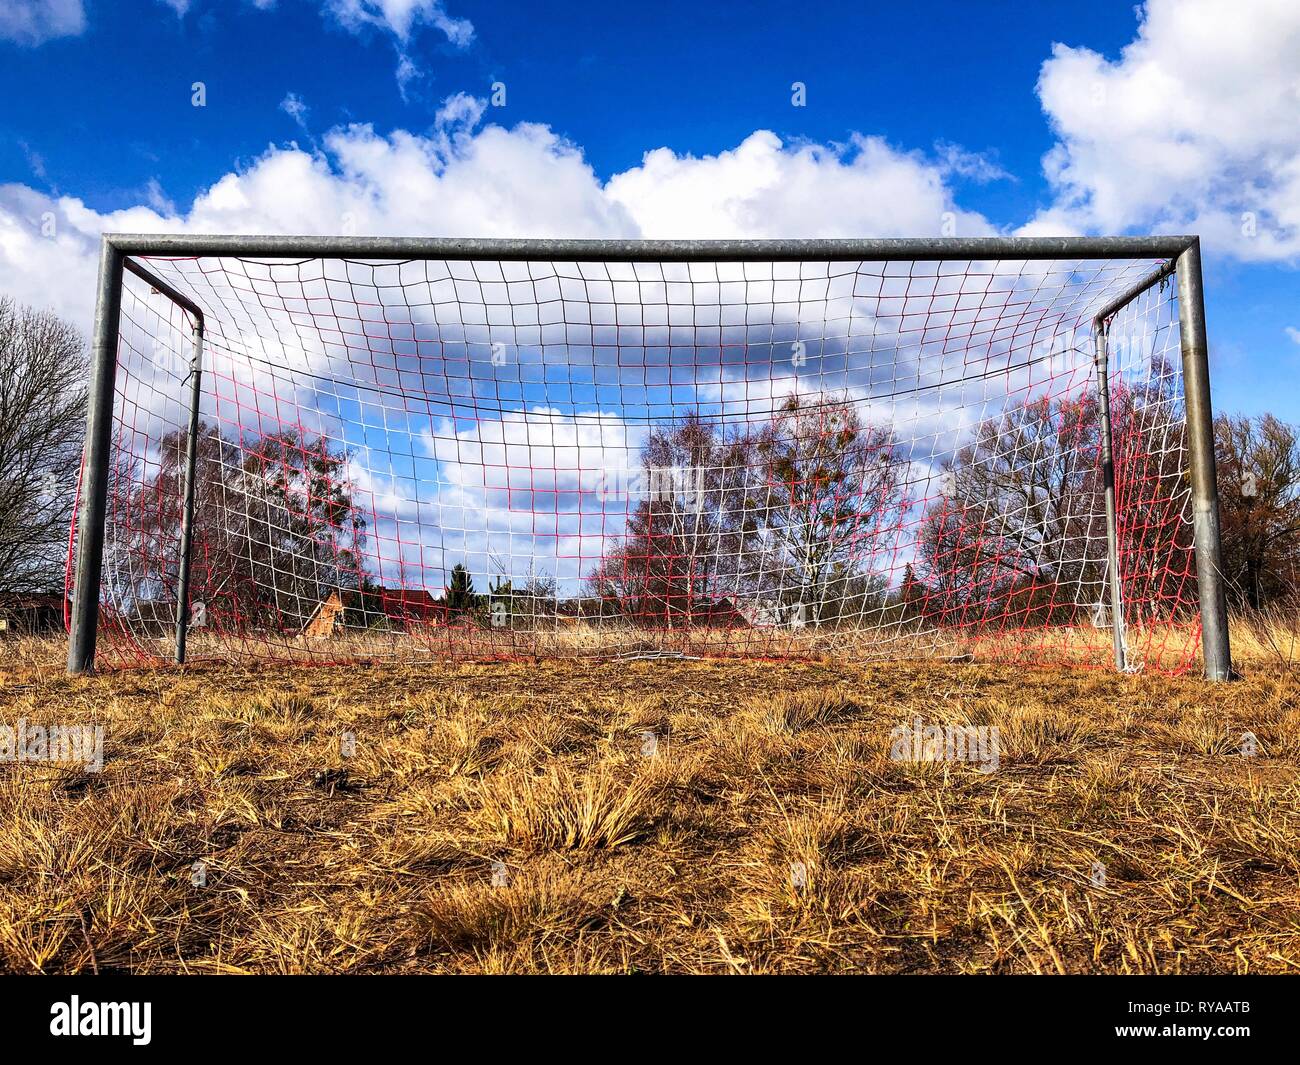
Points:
x=326, y=619
x=723, y=613
x=411, y=607
x=31, y=613
x=400, y=608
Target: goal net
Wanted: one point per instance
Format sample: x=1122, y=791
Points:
x=531, y=455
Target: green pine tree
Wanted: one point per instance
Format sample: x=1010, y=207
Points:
x=460, y=591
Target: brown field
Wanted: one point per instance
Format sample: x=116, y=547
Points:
x=684, y=861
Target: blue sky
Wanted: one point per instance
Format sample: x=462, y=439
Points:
x=615, y=79
x=99, y=130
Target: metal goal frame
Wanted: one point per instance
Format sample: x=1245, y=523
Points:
x=1181, y=255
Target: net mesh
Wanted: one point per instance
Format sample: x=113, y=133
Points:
x=499, y=459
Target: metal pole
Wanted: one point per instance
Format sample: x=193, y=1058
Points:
x=1102, y=360
x=928, y=249
x=187, y=507
x=95, y=468
x=1200, y=446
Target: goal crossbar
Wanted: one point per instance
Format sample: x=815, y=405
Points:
x=921, y=249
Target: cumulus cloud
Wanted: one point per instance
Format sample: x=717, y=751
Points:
x=48, y=249
x=766, y=188
x=1193, y=128
x=33, y=22
x=464, y=179
x=542, y=487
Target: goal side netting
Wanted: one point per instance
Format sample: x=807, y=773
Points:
x=415, y=458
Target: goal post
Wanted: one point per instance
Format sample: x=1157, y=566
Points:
x=328, y=448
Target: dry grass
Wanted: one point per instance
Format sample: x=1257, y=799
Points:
x=714, y=816
x=1167, y=647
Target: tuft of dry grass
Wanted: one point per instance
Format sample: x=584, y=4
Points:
x=653, y=816
x=477, y=917
x=807, y=708
x=560, y=809
x=1038, y=731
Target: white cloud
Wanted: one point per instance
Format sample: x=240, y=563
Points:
x=1293, y=333
x=407, y=72
x=542, y=451
x=1193, y=128
x=48, y=249
x=293, y=106
x=400, y=17
x=974, y=166
x=33, y=22
x=463, y=180
x=460, y=110
x=541, y=492
x=764, y=188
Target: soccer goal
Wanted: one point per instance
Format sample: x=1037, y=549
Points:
x=342, y=449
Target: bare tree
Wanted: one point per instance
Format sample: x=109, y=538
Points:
x=1020, y=535
x=1259, y=500
x=685, y=541
x=829, y=503
x=801, y=510
x=43, y=371
x=1022, y=508
x=276, y=529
